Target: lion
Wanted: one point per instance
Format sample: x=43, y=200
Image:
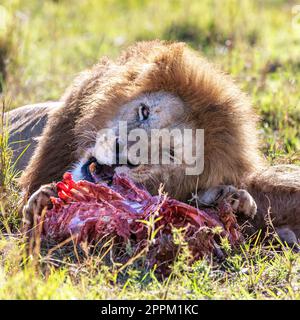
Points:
x=159, y=84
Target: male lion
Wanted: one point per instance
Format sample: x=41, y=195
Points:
x=160, y=85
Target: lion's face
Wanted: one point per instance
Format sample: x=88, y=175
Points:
x=144, y=140
x=142, y=87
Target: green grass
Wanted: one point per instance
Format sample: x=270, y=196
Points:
x=43, y=44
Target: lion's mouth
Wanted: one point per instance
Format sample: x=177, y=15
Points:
x=95, y=172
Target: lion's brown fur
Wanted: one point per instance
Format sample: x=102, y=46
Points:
x=212, y=101
x=276, y=190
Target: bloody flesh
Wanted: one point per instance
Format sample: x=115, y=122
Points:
x=91, y=212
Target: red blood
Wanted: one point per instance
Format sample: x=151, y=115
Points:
x=91, y=212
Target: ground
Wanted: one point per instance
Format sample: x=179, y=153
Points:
x=43, y=44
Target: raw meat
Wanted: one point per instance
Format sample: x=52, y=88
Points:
x=91, y=212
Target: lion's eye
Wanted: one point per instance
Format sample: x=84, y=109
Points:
x=143, y=112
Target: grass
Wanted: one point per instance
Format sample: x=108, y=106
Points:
x=43, y=44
